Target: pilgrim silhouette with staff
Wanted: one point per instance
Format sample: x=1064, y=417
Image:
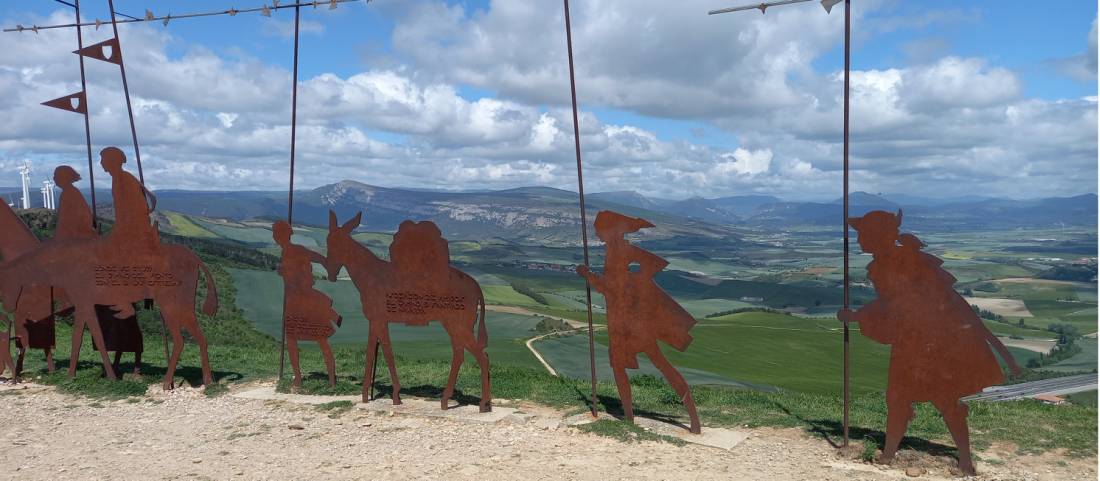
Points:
x=639, y=312
x=940, y=348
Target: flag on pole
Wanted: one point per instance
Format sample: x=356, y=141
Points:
x=106, y=51
x=72, y=103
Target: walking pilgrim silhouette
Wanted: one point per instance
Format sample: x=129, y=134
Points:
x=309, y=313
x=940, y=348
x=639, y=312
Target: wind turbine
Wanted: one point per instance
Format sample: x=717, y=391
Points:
x=25, y=174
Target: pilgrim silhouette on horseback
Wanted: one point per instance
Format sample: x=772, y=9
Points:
x=129, y=265
x=74, y=217
x=309, y=314
x=639, y=312
x=133, y=203
x=940, y=348
x=121, y=331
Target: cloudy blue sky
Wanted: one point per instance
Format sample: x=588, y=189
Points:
x=948, y=98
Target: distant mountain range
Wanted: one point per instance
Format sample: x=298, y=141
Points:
x=547, y=215
x=531, y=214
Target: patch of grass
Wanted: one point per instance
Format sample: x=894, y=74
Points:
x=216, y=389
x=88, y=382
x=335, y=408
x=869, y=448
x=1031, y=425
x=507, y=295
x=1087, y=398
x=181, y=225
x=626, y=432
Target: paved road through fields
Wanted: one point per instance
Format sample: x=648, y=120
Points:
x=1056, y=386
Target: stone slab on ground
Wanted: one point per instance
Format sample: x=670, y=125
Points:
x=267, y=393
x=721, y=438
x=23, y=387
x=409, y=406
x=430, y=408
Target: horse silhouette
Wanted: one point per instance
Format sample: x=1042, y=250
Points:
x=412, y=292
x=35, y=306
x=96, y=271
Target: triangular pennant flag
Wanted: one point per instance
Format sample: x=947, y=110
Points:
x=67, y=103
x=98, y=51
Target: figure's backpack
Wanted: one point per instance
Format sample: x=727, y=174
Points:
x=419, y=247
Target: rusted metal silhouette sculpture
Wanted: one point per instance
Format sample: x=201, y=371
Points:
x=75, y=222
x=417, y=287
x=118, y=269
x=31, y=320
x=940, y=348
x=74, y=217
x=309, y=314
x=132, y=202
x=639, y=312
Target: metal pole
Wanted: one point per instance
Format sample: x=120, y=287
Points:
x=290, y=197
x=133, y=134
x=847, y=71
x=167, y=18
x=87, y=114
x=126, y=91
x=584, y=215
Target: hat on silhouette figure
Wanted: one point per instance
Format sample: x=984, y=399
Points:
x=613, y=224
x=876, y=220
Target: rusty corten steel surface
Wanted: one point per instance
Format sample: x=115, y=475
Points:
x=417, y=287
x=308, y=313
x=34, y=307
x=940, y=348
x=72, y=103
x=107, y=51
x=639, y=312
x=126, y=266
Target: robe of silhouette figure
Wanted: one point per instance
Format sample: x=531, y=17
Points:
x=940, y=349
x=308, y=312
x=132, y=202
x=639, y=312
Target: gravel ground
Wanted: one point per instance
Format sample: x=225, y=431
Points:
x=183, y=434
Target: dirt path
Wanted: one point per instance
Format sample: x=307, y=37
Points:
x=576, y=325
x=185, y=435
x=527, y=312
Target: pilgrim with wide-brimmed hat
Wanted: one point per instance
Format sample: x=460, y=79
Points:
x=940, y=347
x=639, y=312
